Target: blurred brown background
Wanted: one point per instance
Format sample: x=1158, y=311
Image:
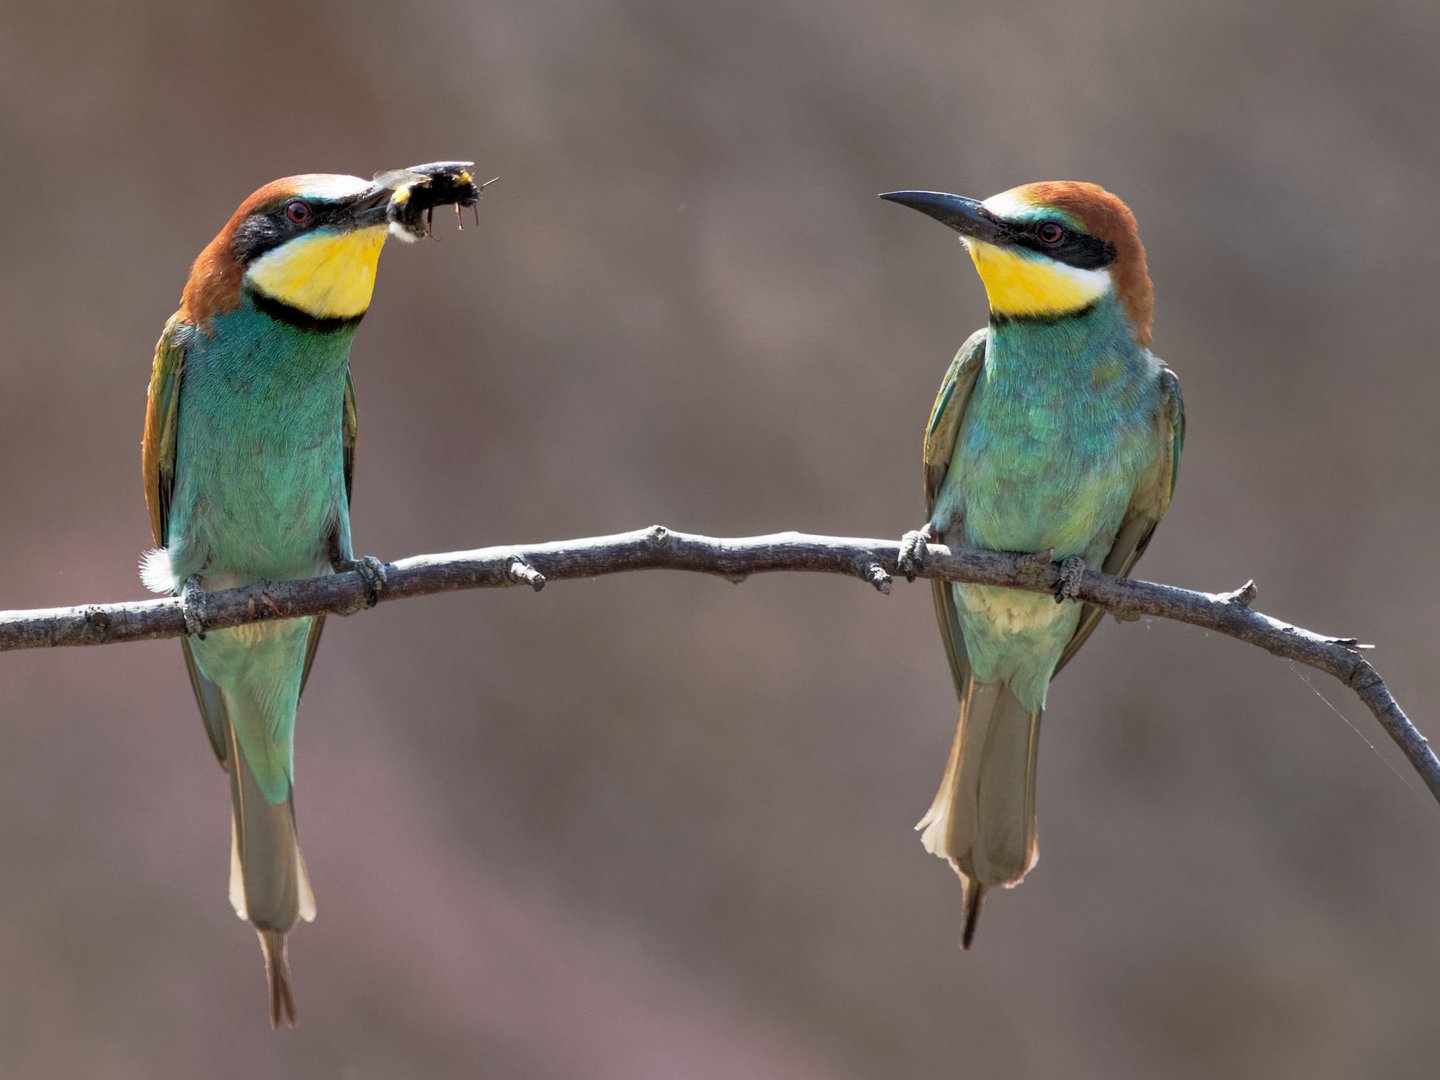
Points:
x=659, y=826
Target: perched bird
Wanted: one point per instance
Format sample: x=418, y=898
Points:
x=248, y=457
x=1055, y=431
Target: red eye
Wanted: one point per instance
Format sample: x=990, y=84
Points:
x=297, y=212
x=1050, y=232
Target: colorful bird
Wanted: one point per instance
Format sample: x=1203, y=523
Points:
x=1056, y=430
x=248, y=459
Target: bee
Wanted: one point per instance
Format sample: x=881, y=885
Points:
x=418, y=190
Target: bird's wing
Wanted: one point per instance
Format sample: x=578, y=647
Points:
x=349, y=433
x=940, y=435
x=157, y=448
x=157, y=463
x=1147, y=505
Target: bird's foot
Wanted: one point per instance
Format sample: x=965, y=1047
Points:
x=371, y=569
x=1071, y=571
x=192, y=603
x=912, y=550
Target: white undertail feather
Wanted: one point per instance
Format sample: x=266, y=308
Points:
x=156, y=573
x=933, y=827
x=307, y=898
x=237, y=874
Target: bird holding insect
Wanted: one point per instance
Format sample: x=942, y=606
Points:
x=248, y=461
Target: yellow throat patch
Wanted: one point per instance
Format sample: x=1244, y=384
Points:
x=327, y=275
x=1017, y=285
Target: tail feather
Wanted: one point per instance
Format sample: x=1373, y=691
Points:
x=972, y=895
x=277, y=974
x=268, y=881
x=982, y=820
x=269, y=884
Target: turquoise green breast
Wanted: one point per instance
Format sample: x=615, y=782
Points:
x=259, y=474
x=1059, y=428
x=1057, y=433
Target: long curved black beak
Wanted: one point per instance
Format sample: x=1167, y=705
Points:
x=372, y=207
x=966, y=216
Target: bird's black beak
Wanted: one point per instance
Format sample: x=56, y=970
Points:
x=372, y=207
x=966, y=216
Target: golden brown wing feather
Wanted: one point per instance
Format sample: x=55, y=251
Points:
x=157, y=447
x=940, y=435
x=157, y=465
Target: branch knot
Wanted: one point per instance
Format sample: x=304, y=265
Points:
x=520, y=572
x=875, y=574
x=97, y=623
x=1242, y=597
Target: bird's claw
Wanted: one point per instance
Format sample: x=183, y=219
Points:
x=1071, y=571
x=912, y=550
x=192, y=604
x=372, y=570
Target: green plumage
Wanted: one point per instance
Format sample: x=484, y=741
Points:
x=248, y=459
x=253, y=455
x=260, y=494
x=1059, y=434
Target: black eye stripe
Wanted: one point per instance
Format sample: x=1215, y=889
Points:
x=1075, y=249
x=268, y=229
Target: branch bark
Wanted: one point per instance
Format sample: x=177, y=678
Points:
x=659, y=548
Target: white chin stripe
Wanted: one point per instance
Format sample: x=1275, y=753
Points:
x=1091, y=284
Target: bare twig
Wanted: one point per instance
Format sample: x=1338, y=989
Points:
x=658, y=548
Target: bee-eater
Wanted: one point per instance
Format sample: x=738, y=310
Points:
x=248, y=458
x=1056, y=430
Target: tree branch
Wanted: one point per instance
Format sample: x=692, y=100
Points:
x=658, y=548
